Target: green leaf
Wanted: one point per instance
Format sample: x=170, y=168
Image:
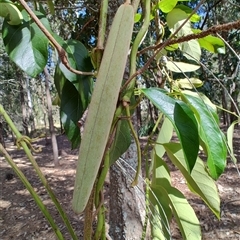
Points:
x=210, y=43
x=59, y=80
x=205, y=99
x=191, y=49
x=230, y=132
x=199, y=181
x=164, y=136
x=194, y=18
x=175, y=18
x=71, y=112
x=26, y=45
x=51, y=6
x=184, y=215
x=137, y=17
x=182, y=211
x=166, y=5
x=9, y=11
x=161, y=213
x=182, y=119
x=121, y=142
x=210, y=134
x=79, y=59
x=180, y=67
x=189, y=83
x=160, y=174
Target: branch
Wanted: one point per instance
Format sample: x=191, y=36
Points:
x=212, y=30
x=61, y=52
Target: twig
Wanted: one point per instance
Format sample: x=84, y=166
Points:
x=212, y=30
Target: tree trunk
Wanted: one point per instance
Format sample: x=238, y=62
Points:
x=50, y=119
x=2, y=135
x=126, y=203
x=23, y=100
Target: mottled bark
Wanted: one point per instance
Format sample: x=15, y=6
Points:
x=126, y=203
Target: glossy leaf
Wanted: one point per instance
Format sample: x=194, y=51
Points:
x=199, y=181
x=210, y=134
x=205, y=99
x=79, y=59
x=71, y=111
x=121, y=141
x=182, y=119
x=26, y=45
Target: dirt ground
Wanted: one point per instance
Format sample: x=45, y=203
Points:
x=21, y=219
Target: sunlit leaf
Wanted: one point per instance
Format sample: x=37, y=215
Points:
x=189, y=83
x=184, y=215
x=194, y=18
x=211, y=43
x=181, y=67
x=164, y=136
x=166, y=5
x=137, y=17
x=199, y=180
x=191, y=49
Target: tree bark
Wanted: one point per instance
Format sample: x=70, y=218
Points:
x=23, y=100
x=127, y=206
x=50, y=119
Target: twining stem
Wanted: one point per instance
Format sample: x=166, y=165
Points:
x=35, y=196
x=20, y=140
x=149, y=141
x=164, y=44
x=135, y=181
x=102, y=23
x=137, y=42
x=99, y=196
x=61, y=52
x=146, y=211
x=88, y=216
